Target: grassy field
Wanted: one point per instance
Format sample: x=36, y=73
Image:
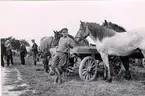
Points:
x=43, y=85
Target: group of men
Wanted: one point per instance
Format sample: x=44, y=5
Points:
x=6, y=51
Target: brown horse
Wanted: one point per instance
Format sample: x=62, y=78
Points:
x=46, y=44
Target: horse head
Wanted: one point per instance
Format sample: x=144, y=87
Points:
x=82, y=33
x=113, y=26
x=57, y=36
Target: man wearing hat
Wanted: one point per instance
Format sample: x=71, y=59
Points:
x=9, y=52
x=34, y=51
x=23, y=52
x=60, y=59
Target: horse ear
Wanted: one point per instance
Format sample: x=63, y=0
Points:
x=54, y=31
x=81, y=22
x=105, y=21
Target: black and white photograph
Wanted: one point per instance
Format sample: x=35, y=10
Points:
x=72, y=48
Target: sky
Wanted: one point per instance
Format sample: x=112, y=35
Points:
x=36, y=19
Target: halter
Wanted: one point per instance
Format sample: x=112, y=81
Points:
x=81, y=38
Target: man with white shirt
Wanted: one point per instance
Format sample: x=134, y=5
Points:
x=60, y=59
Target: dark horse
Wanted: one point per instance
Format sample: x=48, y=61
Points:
x=109, y=42
x=136, y=54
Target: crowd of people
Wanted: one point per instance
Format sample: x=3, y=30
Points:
x=6, y=52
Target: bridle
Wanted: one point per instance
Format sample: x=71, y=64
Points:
x=82, y=38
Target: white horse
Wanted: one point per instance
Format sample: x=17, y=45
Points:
x=109, y=42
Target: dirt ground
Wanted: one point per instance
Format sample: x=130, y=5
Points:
x=30, y=80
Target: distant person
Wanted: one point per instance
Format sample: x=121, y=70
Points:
x=9, y=52
x=34, y=51
x=60, y=59
x=3, y=52
x=23, y=53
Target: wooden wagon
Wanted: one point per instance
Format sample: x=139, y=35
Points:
x=86, y=60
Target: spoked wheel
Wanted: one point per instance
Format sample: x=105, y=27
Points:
x=88, y=69
x=133, y=61
x=116, y=65
x=143, y=62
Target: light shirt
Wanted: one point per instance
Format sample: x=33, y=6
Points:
x=65, y=43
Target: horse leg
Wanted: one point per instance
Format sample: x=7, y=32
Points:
x=125, y=60
x=46, y=65
x=106, y=62
x=105, y=72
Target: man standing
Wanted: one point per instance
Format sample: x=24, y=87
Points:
x=9, y=52
x=34, y=51
x=23, y=53
x=3, y=51
x=60, y=59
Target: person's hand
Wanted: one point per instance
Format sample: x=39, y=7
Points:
x=56, y=47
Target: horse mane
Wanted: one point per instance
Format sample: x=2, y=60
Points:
x=99, y=31
x=117, y=28
x=70, y=36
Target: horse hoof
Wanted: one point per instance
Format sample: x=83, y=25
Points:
x=109, y=80
x=104, y=78
x=127, y=77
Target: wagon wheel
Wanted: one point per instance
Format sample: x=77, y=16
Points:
x=133, y=61
x=88, y=69
x=116, y=65
x=143, y=62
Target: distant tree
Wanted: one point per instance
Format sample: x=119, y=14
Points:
x=15, y=42
x=25, y=42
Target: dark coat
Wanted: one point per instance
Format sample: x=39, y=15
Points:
x=23, y=50
x=3, y=49
x=34, y=48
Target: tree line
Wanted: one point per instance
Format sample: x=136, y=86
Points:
x=15, y=43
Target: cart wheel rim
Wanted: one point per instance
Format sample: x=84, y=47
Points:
x=88, y=69
x=117, y=66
